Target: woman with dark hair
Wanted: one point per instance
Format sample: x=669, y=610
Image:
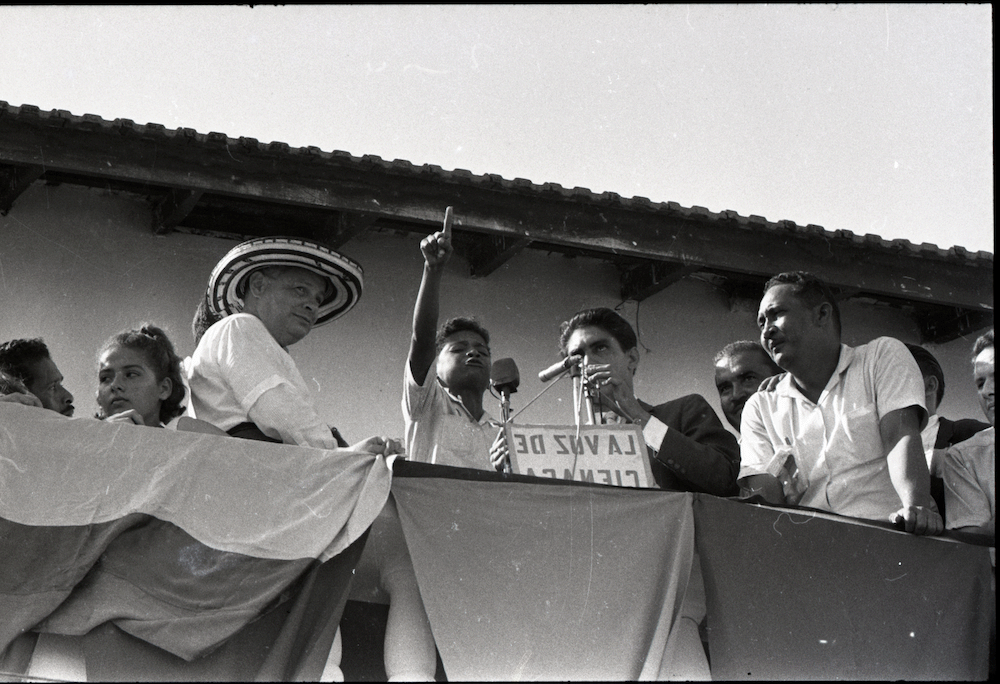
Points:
x=139, y=377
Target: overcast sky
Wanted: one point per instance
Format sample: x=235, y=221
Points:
x=869, y=118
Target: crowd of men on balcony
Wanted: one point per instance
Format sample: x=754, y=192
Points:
x=849, y=430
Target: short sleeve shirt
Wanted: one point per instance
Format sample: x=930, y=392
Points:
x=439, y=429
x=970, y=481
x=236, y=361
x=836, y=441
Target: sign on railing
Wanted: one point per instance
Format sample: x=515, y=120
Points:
x=603, y=454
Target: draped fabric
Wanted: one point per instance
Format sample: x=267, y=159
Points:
x=806, y=595
x=524, y=578
x=528, y=578
x=177, y=539
x=181, y=556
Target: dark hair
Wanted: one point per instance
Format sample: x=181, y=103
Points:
x=985, y=341
x=159, y=353
x=17, y=357
x=810, y=289
x=9, y=384
x=458, y=324
x=603, y=318
x=928, y=365
x=204, y=318
x=740, y=346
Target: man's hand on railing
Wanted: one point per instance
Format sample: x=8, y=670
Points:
x=918, y=520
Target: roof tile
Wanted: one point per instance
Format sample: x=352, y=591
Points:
x=62, y=118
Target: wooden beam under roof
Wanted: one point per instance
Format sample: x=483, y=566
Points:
x=492, y=253
x=15, y=179
x=171, y=211
x=598, y=224
x=947, y=324
x=340, y=228
x=644, y=280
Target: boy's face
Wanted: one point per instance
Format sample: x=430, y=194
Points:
x=464, y=362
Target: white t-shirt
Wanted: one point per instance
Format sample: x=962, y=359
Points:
x=439, y=429
x=836, y=441
x=970, y=481
x=239, y=373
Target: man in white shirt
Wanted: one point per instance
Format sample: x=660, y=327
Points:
x=271, y=292
x=849, y=417
x=940, y=432
x=970, y=467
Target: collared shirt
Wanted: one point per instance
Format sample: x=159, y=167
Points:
x=836, y=441
x=239, y=373
x=439, y=429
x=970, y=481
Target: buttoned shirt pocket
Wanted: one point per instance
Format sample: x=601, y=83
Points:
x=861, y=468
x=859, y=427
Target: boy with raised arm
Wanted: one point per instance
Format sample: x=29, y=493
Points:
x=445, y=424
x=445, y=419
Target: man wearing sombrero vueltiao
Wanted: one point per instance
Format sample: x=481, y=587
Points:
x=271, y=292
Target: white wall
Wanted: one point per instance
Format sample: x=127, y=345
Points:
x=77, y=266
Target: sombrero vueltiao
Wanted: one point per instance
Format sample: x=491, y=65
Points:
x=228, y=282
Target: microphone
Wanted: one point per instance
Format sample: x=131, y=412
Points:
x=504, y=376
x=557, y=368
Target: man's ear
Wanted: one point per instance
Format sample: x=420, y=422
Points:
x=930, y=385
x=633, y=359
x=256, y=283
x=823, y=314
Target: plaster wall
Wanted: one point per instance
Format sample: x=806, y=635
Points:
x=78, y=265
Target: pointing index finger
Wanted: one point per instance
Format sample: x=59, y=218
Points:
x=449, y=218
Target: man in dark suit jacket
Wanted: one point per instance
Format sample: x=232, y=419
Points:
x=940, y=431
x=690, y=449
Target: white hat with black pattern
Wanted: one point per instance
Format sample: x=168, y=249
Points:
x=228, y=282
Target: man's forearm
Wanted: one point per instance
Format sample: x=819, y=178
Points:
x=908, y=472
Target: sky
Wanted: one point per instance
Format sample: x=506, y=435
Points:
x=868, y=118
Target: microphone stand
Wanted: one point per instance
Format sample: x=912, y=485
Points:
x=505, y=391
x=583, y=406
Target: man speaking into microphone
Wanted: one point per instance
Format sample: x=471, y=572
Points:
x=689, y=448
